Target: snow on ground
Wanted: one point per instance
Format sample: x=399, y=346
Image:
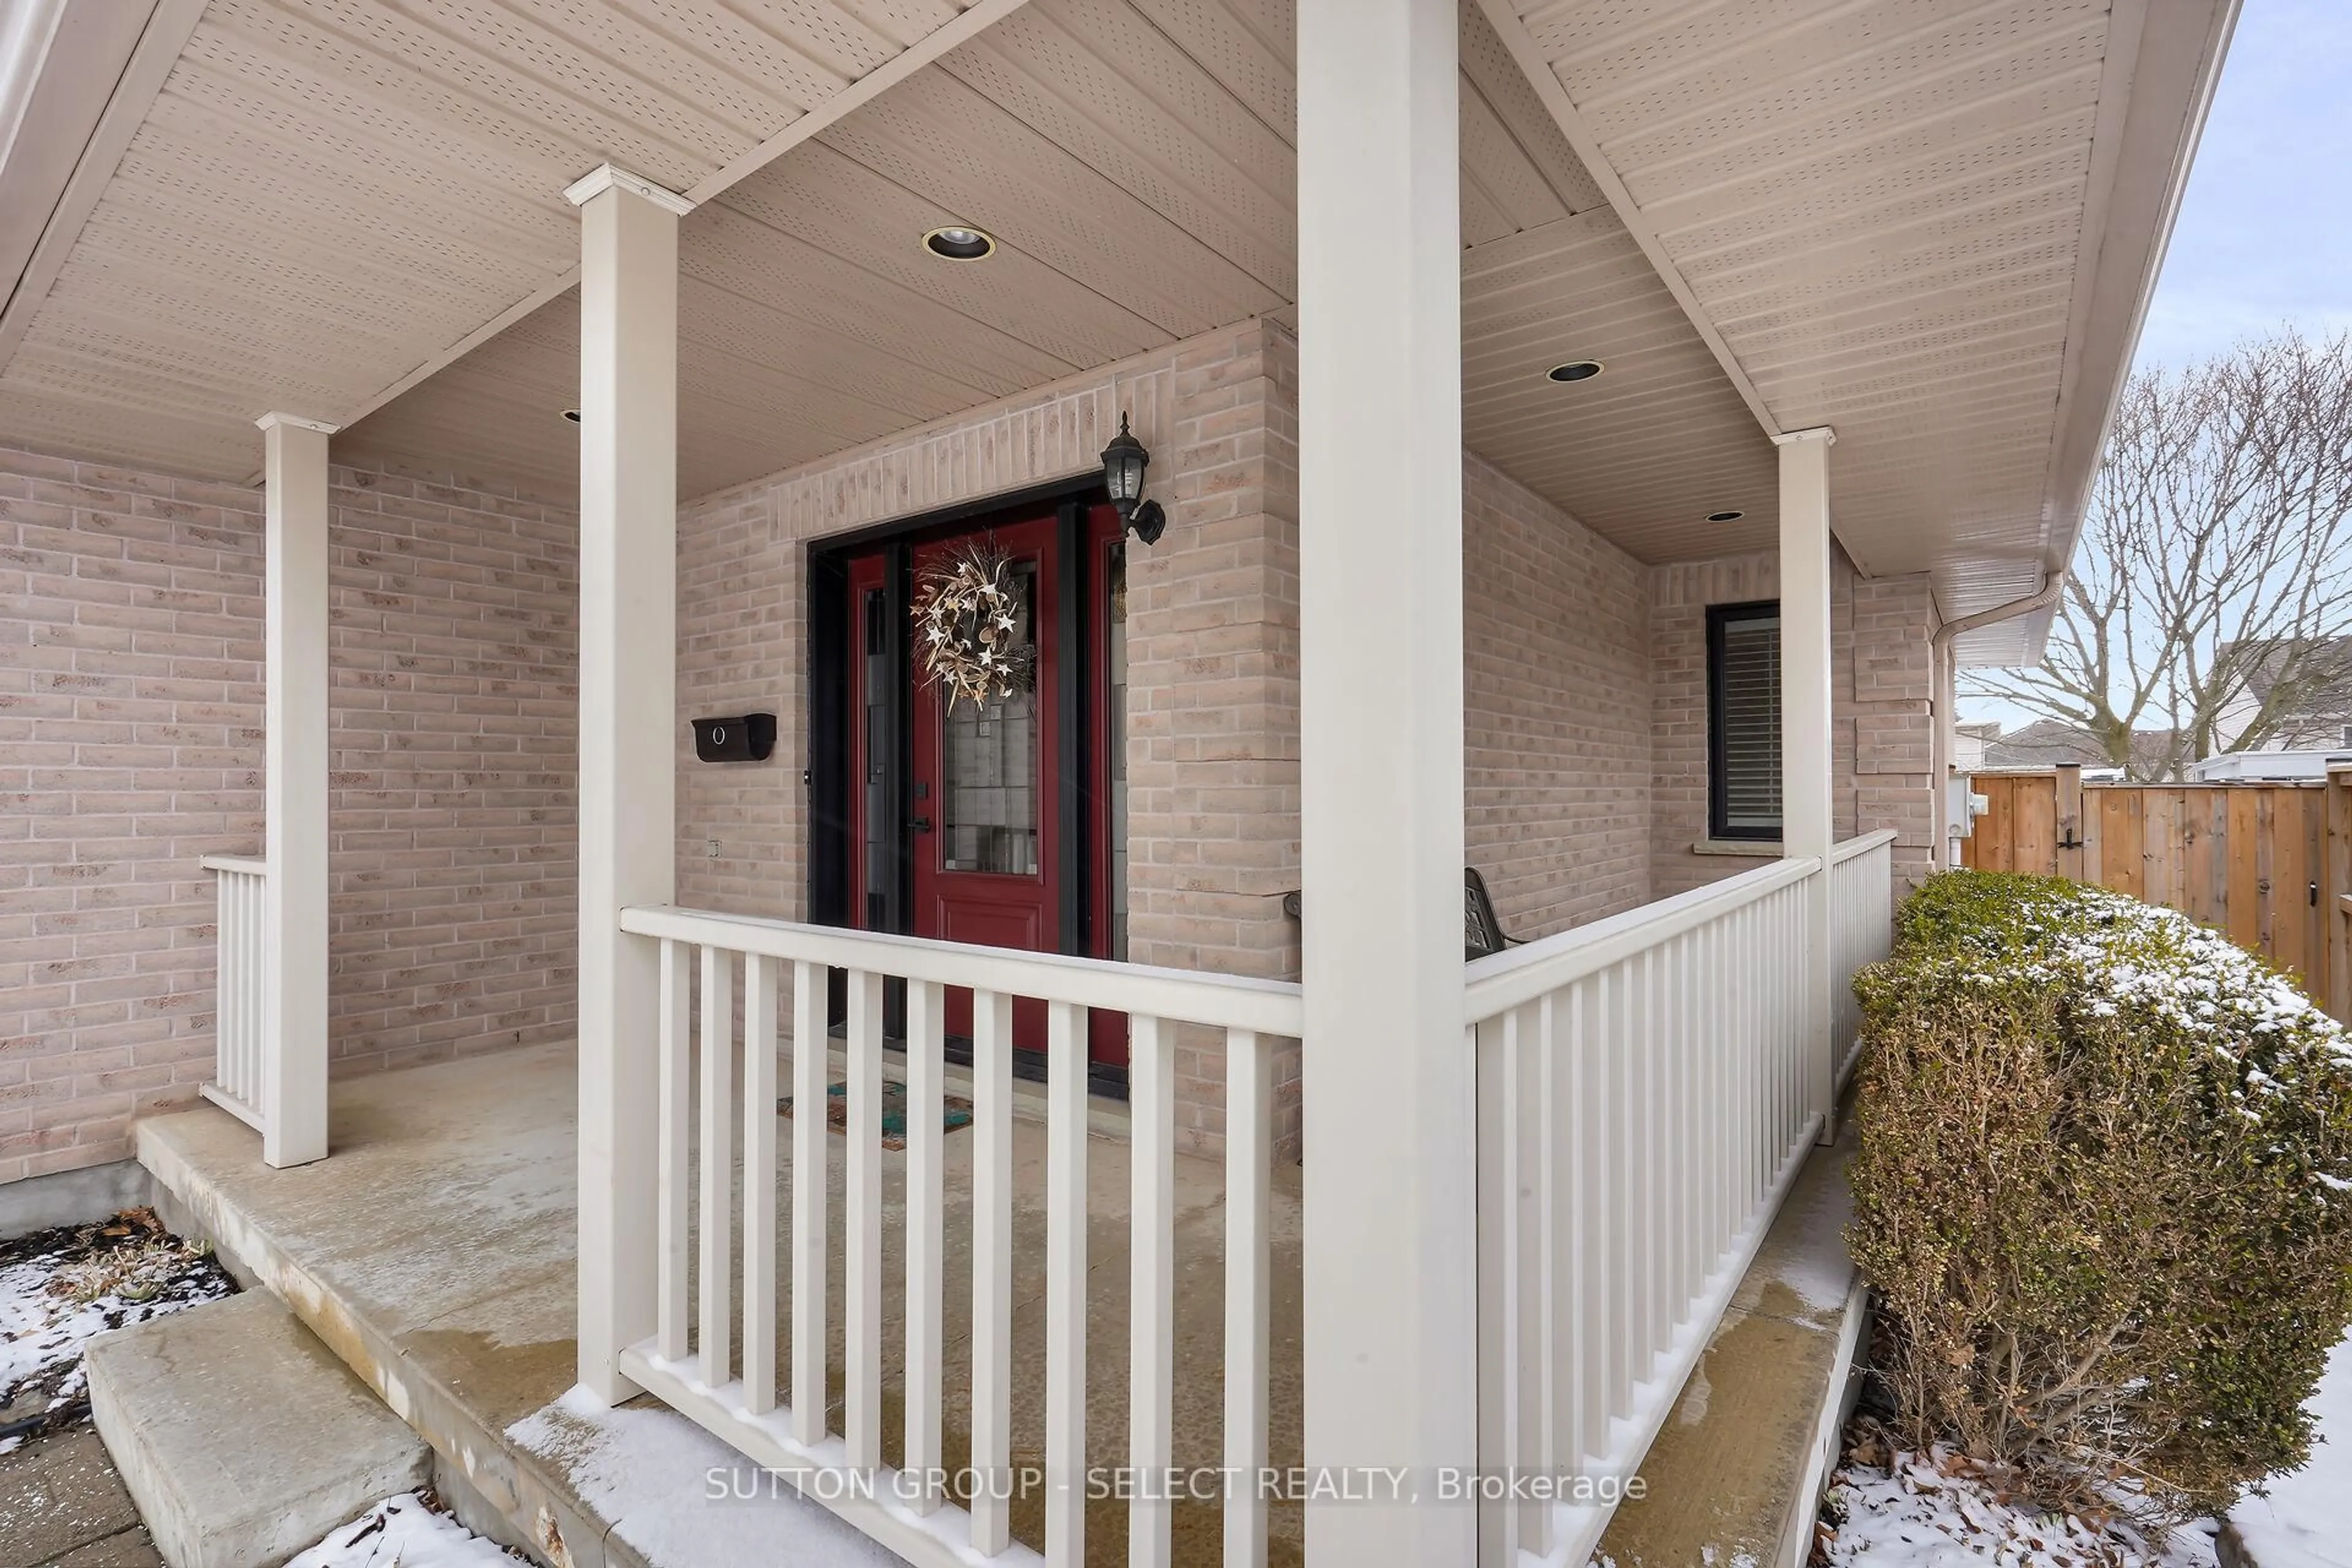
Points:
x=682, y=1497
x=404, y=1531
x=2305, y=1521
x=1933, y=1511
x=58, y=1288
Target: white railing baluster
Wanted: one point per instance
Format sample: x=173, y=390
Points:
x=1624, y=1211
x=1249, y=1158
x=810, y=1067
x=1151, y=1284
x=1760, y=1045
x=1643, y=1107
x=1586, y=1200
x=1653, y=1174
x=1674, y=1129
x=861, y=1421
x=717, y=1326
x=228, y=1010
x=992, y=1270
x=239, y=956
x=1553, y=1306
x=228, y=1034
x=1862, y=906
x=1697, y=1094
x=926, y=1209
x=1066, y=1285
x=1510, y=1050
x=255, y=967
x=674, y=1182
x=759, y=1184
x=686, y=1361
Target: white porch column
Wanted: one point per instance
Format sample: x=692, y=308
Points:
x=1808, y=822
x=294, y=759
x=628, y=653
x=1391, y=1254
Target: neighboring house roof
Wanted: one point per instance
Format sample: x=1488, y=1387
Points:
x=2046, y=743
x=2329, y=706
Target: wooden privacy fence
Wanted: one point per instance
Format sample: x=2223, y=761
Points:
x=2269, y=864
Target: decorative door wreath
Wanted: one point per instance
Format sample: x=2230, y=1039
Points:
x=967, y=624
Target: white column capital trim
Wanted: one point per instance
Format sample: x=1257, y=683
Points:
x=273, y=420
x=1822, y=433
x=607, y=177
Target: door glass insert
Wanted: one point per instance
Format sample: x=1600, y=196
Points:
x=990, y=768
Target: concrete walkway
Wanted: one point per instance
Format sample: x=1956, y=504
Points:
x=62, y=1505
x=435, y=1252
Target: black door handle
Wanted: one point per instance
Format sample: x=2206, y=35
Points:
x=920, y=825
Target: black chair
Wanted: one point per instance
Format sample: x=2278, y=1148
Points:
x=1482, y=929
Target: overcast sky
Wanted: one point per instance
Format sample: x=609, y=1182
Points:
x=2266, y=231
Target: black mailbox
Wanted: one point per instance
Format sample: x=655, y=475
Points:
x=745, y=738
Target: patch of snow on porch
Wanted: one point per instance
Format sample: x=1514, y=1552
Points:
x=2306, y=1520
x=681, y=1497
x=1815, y=1266
x=404, y=1532
x=1932, y=1511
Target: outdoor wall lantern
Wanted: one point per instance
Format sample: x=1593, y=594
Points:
x=1124, y=461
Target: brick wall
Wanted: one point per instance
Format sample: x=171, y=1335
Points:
x=130, y=708
x=1556, y=712
x=1211, y=650
x=1881, y=687
x=455, y=666
x=1556, y=684
x=130, y=746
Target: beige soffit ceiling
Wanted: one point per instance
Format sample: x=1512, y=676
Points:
x=1134, y=158
x=1931, y=225
x=1133, y=161
x=306, y=204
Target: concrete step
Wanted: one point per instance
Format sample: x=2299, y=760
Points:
x=243, y=1439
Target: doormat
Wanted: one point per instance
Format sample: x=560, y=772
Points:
x=954, y=1114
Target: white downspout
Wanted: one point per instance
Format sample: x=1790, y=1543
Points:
x=1945, y=670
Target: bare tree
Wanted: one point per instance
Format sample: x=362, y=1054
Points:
x=2211, y=601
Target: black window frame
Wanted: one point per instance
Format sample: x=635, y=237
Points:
x=1719, y=617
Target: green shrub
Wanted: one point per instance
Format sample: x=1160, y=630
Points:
x=2104, y=1190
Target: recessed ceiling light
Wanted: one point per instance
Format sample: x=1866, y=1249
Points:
x=573, y=414
x=1724, y=516
x=1575, y=370
x=957, y=243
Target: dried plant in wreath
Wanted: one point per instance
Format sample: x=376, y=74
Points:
x=968, y=625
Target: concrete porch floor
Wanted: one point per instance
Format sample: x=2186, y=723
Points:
x=435, y=1251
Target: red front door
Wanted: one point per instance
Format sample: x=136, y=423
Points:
x=991, y=788
x=985, y=804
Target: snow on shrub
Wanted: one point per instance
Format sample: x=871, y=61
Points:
x=2103, y=1191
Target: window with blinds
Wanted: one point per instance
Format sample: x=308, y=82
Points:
x=1743, y=706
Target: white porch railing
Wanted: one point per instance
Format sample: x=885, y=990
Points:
x=778, y=1415
x=240, y=1064
x=1862, y=931
x=1646, y=1086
